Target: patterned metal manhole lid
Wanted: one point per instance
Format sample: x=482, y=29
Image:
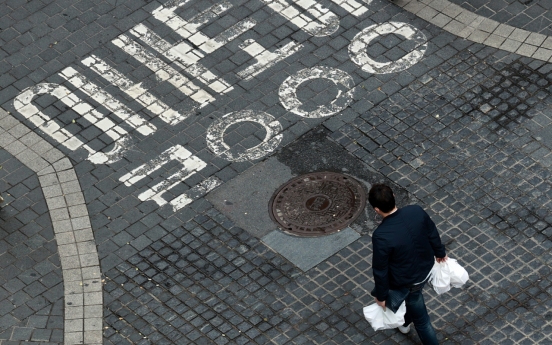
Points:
x=317, y=204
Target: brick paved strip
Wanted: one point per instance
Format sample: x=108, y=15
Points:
x=476, y=28
x=77, y=248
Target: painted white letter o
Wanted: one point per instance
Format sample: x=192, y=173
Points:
x=359, y=45
x=288, y=95
x=215, y=135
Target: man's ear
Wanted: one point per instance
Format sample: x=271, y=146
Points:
x=378, y=211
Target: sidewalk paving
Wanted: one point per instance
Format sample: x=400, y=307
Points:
x=177, y=194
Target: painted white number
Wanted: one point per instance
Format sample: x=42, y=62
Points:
x=359, y=44
x=23, y=104
x=215, y=135
x=288, y=91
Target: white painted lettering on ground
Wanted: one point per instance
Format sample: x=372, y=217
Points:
x=321, y=22
x=359, y=46
x=134, y=90
x=105, y=99
x=265, y=59
x=164, y=72
x=344, y=82
x=183, y=52
x=191, y=165
x=188, y=61
x=215, y=135
x=23, y=104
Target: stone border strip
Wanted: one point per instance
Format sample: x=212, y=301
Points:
x=73, y=233
x=476, y=28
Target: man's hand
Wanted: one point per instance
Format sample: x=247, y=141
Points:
x=381, y=304
x=441, y=260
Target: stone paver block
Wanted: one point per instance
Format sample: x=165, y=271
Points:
x=306, y=253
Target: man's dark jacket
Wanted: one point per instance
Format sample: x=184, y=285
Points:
x=404, y=244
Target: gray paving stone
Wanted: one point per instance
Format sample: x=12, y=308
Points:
x=28, y=314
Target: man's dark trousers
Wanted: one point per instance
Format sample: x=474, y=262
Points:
x=416, y=312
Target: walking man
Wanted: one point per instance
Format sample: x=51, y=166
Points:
x=405, y=245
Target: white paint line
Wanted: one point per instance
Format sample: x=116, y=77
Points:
x=288, y=91
x=164, y=72
x=183, y=56
x=265, y=59
x=23, y=104
x=323, y=22
x=359, y=46
x=105, y=99
x=215, y=135
x=195, y=192
x=134, y=90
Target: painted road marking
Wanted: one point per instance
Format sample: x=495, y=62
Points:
x=108, y=101
x=324, y=23
x=353, y=7
x=164, y=72
x=23, y=104
x=358, y=48
x=195, y=192
x=288, y=91
x=265, y=58
x=147, y=47
x=184, y=59
x=134, y=90
x=190, y=30
x=215, y=135
x=191, y=165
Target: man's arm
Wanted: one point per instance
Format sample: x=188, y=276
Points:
x=380, y=264
x=435, y=240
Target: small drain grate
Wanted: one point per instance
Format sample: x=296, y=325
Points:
x=317, y=204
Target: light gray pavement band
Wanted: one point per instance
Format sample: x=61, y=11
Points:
x=466, y=24
x=73, y=233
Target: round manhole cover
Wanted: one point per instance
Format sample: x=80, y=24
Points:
x=317, y=204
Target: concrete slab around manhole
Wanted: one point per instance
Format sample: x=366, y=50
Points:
x=245, y=198
x=307, y=252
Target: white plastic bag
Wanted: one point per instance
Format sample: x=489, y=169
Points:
x=458, y=274
x=440, y=277
x=447, y=274
x=380, y=319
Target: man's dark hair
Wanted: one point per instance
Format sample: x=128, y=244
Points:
x=381, y=196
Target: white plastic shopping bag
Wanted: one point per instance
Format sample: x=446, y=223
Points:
x=447, y=274
x=458, y=274
x=380, y=319
x=440, y=277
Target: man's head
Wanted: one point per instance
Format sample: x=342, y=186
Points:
x=381, y=198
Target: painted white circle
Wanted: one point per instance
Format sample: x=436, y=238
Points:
x=359, y=44
x=288, y=91
x=215, y=135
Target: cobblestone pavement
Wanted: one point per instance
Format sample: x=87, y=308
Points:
x=159, y=107
x=524, y=14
